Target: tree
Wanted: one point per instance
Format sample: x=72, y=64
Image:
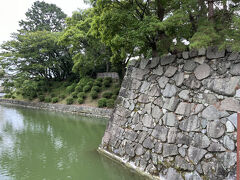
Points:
x=89, y=54
x=43, y=16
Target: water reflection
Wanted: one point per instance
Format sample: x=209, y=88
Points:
x=46, y=145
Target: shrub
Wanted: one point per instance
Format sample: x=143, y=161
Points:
x=55, y=100
x=96, y=88
x=102, y=102
x=80, y=100
x=82, y=95
x=13, y=97
x=74, y=95
x=116, y=91
x=41, y=98
x=106, y=84
x=97, y=83
x=108, y=79
x=7, y=96
x=66, y=84
x=90, y=83
x=110, y=103
x=53, y=95
x=86, y=88
x=79, y=88
x=48, y=100
x=70, y=89
x=107, y=95
x=70, y=101
x=62, y=96
x=99, y=79
x=114, y=97
x=84, y=81
x=94, y=94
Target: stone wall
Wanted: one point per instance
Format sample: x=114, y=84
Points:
x=113, y=75
x=77, y=109
x=176, y=116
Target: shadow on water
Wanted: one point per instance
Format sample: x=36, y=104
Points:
x=36, y=144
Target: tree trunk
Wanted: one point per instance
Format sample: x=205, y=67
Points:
x=154, y=49
x=210, y=10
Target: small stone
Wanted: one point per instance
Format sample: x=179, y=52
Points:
x=130, y=149
x=163, y=81
x=233, y=56
x=228, y=143
x=202, y=52
x=184, y=109
x=156, y=112
x=182, y=151
x=139, y=73
x=171, y=104
x=237, y=95
x=196, y=154
x=200, y=141
x=171, y=70
x=208, y=155
x=216, y=147
x=202, y=71
x=184, y=94
x=230, y=104
x=160, y=132
x=145, y=87
x=139, y=150
x=183, y=164
x=142, y=136
x=215, y=129
x=235, y=70
x=158, y=147
x=144, y=63
x=189, y=66
x=165, y=60
x=211, y=113
x=210, y=99
x=200, y=60
x=179, y=78
x=169, y=150
x=148, y=143
x=233, y=119
x=172, y=133
x=183, y=139
x=158, y=70
x=215, y=53
x=169, y=119
x=185, y=55
x=147, y=121
x=230, y=127
x=198, y=108
x=193, y=53
x=228, y=159
x=190, y=125
x=130, y=135
x=172, y=174
x=143, y=98
x=192, y=176
x=154, y=91
x=154, y=62
x=169, y=91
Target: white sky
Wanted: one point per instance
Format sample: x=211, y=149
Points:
x=12, y=11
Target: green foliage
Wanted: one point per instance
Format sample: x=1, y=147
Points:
x=74, y=95
x=110, y=103
x=114, y=97
x=102, y=102
x=97, y=83
x=94, y=94
x=106, y=83
x=82, y=95
x=96, y=88
x=41, y=98
x=80, y=100
x=29, y=89
x=7, y=96
x=86, y=88
x=55, y=100
x=53, y=95
x=43, y=16
x=70, y=89
x=62, y=96
x=69, y=101
x=116, y=91
x=48, y=100
x=107, y=95
x=79, y=88
x=90, y=83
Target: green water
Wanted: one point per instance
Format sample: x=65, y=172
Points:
x=45, y=145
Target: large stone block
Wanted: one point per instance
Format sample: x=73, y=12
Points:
x=191, y=124
x=169, y=150
x=170, y=90
x=196, y=154
x=160, y=132
x=215, y=129
x=214, y=53
x=202, y=71
x=165, y=60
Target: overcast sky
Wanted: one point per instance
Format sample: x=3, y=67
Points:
x=12, y=11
